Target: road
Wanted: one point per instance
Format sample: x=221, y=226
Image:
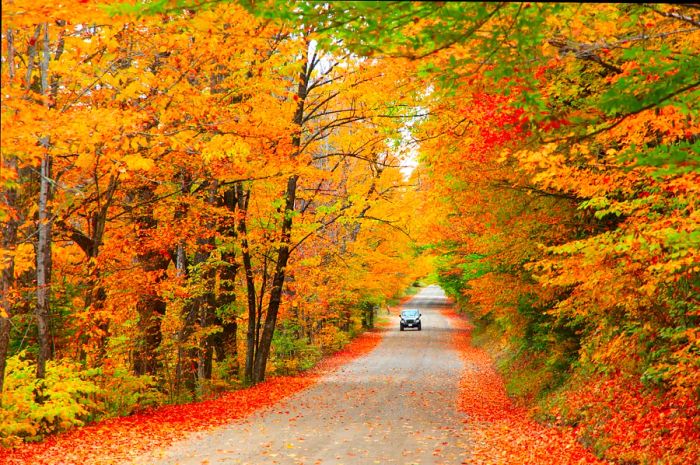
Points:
x=395, y=405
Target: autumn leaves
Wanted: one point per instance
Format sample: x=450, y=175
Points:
x=184, y=192
x=206, y=176
x=570, y=232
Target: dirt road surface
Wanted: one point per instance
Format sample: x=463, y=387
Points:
x=396, y=405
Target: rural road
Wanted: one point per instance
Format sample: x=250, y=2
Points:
x=395, y=405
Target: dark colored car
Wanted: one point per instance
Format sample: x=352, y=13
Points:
x=410, y=318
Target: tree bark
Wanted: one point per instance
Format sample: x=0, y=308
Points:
x=243, y=195
x=151, y=309
x=225, y=343
x=89, y=240
x=263, y=348
x=31, y=53
x=43, y=246
x=207, y=319
x=10, y=53
x=9, y=238
x=4, y=332
x=207, y=302
x=194, y=359
x=265, y=342
x=9, y=242
x=150, y=306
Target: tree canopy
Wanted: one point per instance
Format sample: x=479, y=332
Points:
x=196, y=195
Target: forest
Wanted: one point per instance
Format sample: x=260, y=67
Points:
x=198, y=196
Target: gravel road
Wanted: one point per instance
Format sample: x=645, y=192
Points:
x=395, y=405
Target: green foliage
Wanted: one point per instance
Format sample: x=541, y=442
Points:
x=123, y=393
x=33, y=408
x=539, y=350
x=156, y=7
x=291, y=352
x=671, y=159
x=69, y=396
x=454, y=278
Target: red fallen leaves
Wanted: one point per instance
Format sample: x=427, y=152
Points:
x=501, y=432
x=119, y=439
x=638, y=425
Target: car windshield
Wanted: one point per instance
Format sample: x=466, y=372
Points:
x=410, y=314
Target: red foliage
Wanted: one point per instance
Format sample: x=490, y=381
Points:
x=501, y=432
x=119, y=439
x=503, y=123
x=636, y=423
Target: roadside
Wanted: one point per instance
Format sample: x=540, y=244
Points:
x=120, y=439
x=426, y=397
x=502, y=433
x=395, y=405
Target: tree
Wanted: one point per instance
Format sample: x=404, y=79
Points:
x=601, y=178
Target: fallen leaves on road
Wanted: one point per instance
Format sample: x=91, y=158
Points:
x=502, y=433
x=119, y=439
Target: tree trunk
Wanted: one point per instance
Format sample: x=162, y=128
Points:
x=262, y=351
x=43, y=269
x=225, y=343
x=4, y=336
x=150, y=306
x=10, y=53
x=97, y=294
x=193, y=359
x=9, y=242
x=31, y=53
x=207, y=312
x=43, y=246
x=216, y=343
x=9, y=239
x=206, y=349
x=151, y=309
x=200, y=311
x=243, y=196
x=89, y=240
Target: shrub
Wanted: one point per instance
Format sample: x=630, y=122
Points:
x=33, y=408
x=292, y=353
x=123, y=393
x=331, y=339
x=68, y=396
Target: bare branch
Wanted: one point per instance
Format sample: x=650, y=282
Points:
x=673, y=15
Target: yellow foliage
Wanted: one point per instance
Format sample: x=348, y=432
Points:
x=24, y=258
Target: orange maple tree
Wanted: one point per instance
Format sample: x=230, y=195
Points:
x=169, y=182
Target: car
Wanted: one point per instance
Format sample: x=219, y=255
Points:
x=410, y=318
